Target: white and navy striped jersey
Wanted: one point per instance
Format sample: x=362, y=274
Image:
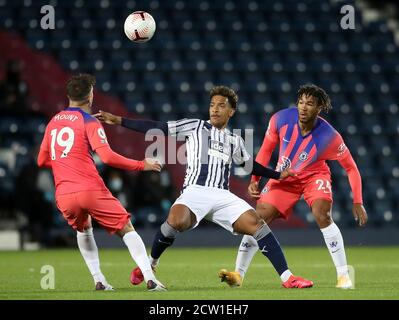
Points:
x=210, y=152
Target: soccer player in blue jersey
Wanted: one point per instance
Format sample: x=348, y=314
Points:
x=305, y=141
x=211, y=149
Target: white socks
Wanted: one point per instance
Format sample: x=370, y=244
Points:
x=335, y=244
x=246, y=251
x=154, y=262
x=332, y=237
x=139, y=254
x=285, y=275
x=88, y=249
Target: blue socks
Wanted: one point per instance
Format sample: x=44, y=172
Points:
x=164, y=238
x=270, y=247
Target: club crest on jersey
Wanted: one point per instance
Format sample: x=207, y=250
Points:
x=285, y=163
x=265, y=190
x=303, y=156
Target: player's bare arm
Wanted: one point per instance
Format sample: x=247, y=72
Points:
x=43, y=159
x=355, y=181
x=360, y=214
x=253, y=188
x=287, y=173
x=151, y=164
x=108, y=118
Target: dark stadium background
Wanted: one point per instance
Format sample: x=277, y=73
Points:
x=263, y=49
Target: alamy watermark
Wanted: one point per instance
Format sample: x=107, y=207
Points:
x=167, y=150
x=47, y=282
x=48, y=20
x=348, y=20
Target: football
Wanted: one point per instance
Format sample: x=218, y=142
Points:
x=140, y=26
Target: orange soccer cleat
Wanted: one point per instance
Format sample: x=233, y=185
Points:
x=297, y=282
x=232, y=278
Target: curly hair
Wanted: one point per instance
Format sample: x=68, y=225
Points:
x=322, y=98
x=225, y=92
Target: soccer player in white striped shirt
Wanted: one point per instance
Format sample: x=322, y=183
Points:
x=211, y=149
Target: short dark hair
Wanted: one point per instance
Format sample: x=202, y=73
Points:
x=227, y=92
x=322, y=98
x=78, y=86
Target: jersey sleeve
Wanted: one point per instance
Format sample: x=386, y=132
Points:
x=340, y=152
x=182, y=127
x=337, y=149
x=240, y=153
x=269, y=143
x=95, y=134
x=43, y=158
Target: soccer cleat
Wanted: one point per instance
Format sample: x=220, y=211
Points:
x=136, y=276
x=155, y=285
x=344, y=282
x=297, y=282
x=232, y=278
x=103, y=287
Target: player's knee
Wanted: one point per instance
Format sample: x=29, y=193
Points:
x=258, y=222
x=128, y=227
x=248, y=223
x=178, y=223
x=267, y=212
x=323, y=219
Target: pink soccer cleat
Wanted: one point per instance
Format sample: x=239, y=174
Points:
x=136, y=276
x=297, y=282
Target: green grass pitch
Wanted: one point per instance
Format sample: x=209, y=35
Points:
x=192, y=274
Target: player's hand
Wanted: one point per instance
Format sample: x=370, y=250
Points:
x=253, y=189
x=287, y=173
x=360, y=214
x=152, y=165
x=108, y=118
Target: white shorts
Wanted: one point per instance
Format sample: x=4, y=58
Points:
x=217, y=205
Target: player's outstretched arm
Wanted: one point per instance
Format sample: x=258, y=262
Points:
x=152, y=165
x=113, y=159
x=43, y=158
x=133, y=124
x=259, y=170
x=269, y=144
x=253, y=190
x=355, y=181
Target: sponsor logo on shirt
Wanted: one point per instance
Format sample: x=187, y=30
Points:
x=341, y=149
x=268, y=130
x=219, y=149
x=283, y=164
